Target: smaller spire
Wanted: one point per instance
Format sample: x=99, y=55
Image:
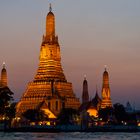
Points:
x=50, y=9
x=3, y=64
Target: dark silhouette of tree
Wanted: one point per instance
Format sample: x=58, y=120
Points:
x=67, y=116
x=11, y=111
x=6, y=96
x=121, y=115
x=106, y=113
x=120, y=112
x=35, y=115
x=131, y=118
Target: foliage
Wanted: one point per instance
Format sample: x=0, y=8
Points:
x=35, y=115
x=121, y=115
x=11, y=111
x=119, y=112
x=6, y=95
x=106, y=113
x=67, y=116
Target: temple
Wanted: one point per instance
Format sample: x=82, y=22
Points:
x=49, y=91
x=106, y=100
x=93, y=106
x=89, y=106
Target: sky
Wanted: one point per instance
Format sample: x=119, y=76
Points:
x=91, y=33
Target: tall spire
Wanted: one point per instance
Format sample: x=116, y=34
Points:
x=105, y=79
x=50, y=8
x=50, y=57
x=50, y=26
x=85, y=95
x=106, y=100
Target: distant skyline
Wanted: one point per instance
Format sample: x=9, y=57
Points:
x=91, y=33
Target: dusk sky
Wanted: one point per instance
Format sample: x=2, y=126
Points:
x=92, y=33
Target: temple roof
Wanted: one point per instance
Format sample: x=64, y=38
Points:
x=91, y=104
x=96, y=99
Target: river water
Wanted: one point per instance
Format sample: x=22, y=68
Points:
x=70, y=136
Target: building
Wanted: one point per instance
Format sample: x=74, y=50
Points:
x=89, y=106
x=94, y=105
x=106, y=99
x=3, y=80
x=97, y=103
x=49, y=91
x=85, y=95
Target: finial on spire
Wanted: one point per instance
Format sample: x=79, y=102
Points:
x=85, y=77
x=96, y=88
x=3, y=64
x=50, y=9
x=105, y=67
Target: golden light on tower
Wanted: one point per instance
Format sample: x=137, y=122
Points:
x=106, y=99
x=49, y=90
x=50, y=25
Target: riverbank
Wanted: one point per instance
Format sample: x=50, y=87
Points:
x=72, y=128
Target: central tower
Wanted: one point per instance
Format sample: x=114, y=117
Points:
x=49, y=90
x=50, y=68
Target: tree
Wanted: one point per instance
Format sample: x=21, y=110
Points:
x=123, y=116
x=11, y=111
x=67, y=116
x=35, y=115
x=105, y=113
x=119, y=112
x=6, y=96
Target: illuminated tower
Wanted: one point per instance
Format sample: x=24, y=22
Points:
x=85, y=95
x=3, y=76
x=49, y=90
x=50, y=68
x=106, y=100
